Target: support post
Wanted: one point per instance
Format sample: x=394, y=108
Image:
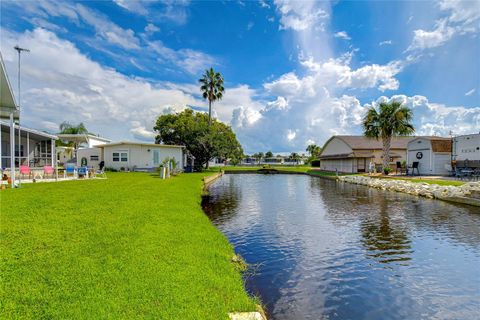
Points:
x=54, y=154
x=1, y=154
x=28, y=148
x=12, y=150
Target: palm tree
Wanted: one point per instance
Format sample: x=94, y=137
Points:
x=212, y=89
x=391, y=119
x=68, y=128
x=314, y=150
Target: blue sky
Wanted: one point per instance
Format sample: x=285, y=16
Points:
x=296, y=72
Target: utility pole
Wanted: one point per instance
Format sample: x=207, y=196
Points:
x=19, y=50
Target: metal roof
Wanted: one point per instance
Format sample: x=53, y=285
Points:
x=138, y=144
x=81, y=137
x=8, y=104
x=362, y=142
x=35, y=133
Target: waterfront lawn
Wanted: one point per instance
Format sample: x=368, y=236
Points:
x=130, y=246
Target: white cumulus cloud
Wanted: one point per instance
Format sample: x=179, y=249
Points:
x=342, y=35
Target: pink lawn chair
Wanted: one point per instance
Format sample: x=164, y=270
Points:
x=48, y=170
x=25, y=170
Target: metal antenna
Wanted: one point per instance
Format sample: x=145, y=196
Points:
x=19, y=50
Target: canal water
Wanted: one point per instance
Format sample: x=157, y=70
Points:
x=321, y=249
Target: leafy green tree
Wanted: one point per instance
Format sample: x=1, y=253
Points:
x=269, y=154
x=212, y=89
x=202, y=140
x=391, y=119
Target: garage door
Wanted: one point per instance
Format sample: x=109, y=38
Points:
x=423, y=158
x=439, y=163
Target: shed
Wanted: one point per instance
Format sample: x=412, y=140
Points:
x=433, y=155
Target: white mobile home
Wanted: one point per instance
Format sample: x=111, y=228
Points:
x=130, y=155
x=466, y=150
x=433, y=155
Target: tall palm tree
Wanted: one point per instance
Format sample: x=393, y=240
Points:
x=314, y=150
x=212, y=89
x=391, y=119
x=68, y=128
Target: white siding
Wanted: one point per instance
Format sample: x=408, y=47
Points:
x=432, y=163
x=336, y=146
x=342, y=165
x=140, y=156
x=89, y=154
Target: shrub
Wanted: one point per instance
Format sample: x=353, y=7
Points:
x=387, y=170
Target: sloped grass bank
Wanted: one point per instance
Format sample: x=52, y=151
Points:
x=131, y=246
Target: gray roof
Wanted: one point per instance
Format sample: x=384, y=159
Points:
x=34, y=134
x=364, y=143
x=138, y=144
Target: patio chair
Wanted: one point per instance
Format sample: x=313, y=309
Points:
x=398, y=167
x=69, y=170
x=101, y=170
x=415, y=166
x=460, y=174
x=25, y=170
x=82, y=172
x=48, y=170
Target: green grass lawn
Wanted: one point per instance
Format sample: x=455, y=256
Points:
x=131, y=246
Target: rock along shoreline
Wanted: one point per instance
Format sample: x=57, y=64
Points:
x=469, y=193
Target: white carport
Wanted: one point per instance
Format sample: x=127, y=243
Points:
x=9, y=111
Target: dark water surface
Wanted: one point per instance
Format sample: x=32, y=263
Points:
x=322, y=249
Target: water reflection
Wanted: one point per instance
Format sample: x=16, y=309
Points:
x=328, y=250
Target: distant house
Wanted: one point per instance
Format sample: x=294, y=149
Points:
x=433, y=154
x=130, y=155
x=353, y=154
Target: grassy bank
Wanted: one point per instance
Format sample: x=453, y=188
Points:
x=300, y=168
x=131, y=246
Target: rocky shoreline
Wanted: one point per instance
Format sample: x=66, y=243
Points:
x=469, y=193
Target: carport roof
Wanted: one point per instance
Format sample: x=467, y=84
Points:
x=33, y=134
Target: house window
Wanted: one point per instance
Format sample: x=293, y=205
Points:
x=120, y=156
x=93, y=158
x=156, y=157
